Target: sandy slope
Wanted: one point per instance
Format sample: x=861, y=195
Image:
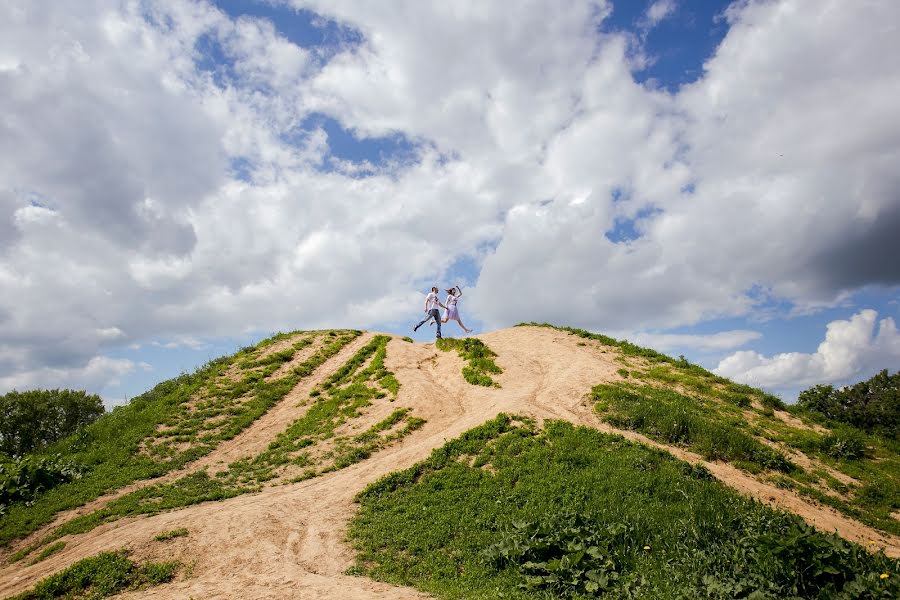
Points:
x=288, y=541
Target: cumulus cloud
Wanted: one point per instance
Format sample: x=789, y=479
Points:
x=97, y=373
x=775, y=173
x=852, y=350
x=163, y=177
x=722, y=340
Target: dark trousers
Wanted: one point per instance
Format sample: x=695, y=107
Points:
x=432, y=314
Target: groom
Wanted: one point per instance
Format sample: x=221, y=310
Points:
x=432, y=302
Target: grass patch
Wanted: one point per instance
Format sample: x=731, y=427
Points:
x=510, y=511
x=100, y=576
x=48, y=551
x=176, y=422
x=673, y=418
x=479, y=359
x=169, y=535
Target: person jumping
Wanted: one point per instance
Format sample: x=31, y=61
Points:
x=432, y=302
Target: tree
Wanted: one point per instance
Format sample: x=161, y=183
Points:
x=872, y=405
x=34, y=419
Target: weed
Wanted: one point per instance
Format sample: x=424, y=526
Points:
x=174, y=533
x=478, y=356
x=100, y=576
x=48, y=551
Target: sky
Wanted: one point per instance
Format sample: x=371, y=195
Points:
x=180, y=178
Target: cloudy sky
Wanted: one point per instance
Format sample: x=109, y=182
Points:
x=182, y=177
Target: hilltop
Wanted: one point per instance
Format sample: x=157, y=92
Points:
x=268, y=473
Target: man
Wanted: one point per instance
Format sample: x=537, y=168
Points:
x=432, y=302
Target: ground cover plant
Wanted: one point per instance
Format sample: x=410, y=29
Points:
x=509, y=510
x=848, y=468
x=206, y=407
x=99, y=576
x=479, y=359
x=309, y=447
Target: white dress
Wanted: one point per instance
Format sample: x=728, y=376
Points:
x=451, y=312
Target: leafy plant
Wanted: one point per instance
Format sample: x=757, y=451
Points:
x=24, y=477
x=99, y=576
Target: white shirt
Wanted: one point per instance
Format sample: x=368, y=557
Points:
x=432, y=302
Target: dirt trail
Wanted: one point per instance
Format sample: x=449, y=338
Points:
x=249, y=442
x=288, y=541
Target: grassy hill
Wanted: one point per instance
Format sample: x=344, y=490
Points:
x=577, y=465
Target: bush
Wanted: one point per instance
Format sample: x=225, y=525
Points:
x=872, y=405
x=22, y=478
x=844, y=443
x=35, y=419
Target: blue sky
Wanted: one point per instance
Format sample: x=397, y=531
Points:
x=689, y=175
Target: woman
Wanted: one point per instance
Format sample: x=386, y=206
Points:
x=452, y=312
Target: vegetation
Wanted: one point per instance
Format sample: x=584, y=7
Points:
x=341, y=397
x=479, y=359
x=509, y=511
x=672, y=418
x=99, y=576
x=167, y=427
x=48, y=551
x=25, y=477
x=855, y=471
x=35, y=419
x=169, y=535
x=310, y=446
x=872, y=405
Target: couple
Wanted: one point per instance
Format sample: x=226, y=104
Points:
x=431, y=309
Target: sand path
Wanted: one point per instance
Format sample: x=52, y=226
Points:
x=289, y=541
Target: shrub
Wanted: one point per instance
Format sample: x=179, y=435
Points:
x=22, y=478
x=844, y=443
x=872, y=405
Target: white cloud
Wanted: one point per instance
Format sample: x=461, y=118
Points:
x=851, y=350
x=658, y=12
x=122, y=219
x=97, y=373
x=722, y=340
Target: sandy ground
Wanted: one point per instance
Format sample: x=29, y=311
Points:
x=289, y=541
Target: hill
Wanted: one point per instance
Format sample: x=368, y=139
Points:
x=247, y=477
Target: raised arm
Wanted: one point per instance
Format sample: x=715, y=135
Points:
x=459, y=289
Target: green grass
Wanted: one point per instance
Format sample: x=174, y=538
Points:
x=479, y=359
x=169, y=535
x=110, y=449
x=340, y=398
x=667, y=416
x=509, y=511
x=728, y=414
x=100, y=576
x=48, y=551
